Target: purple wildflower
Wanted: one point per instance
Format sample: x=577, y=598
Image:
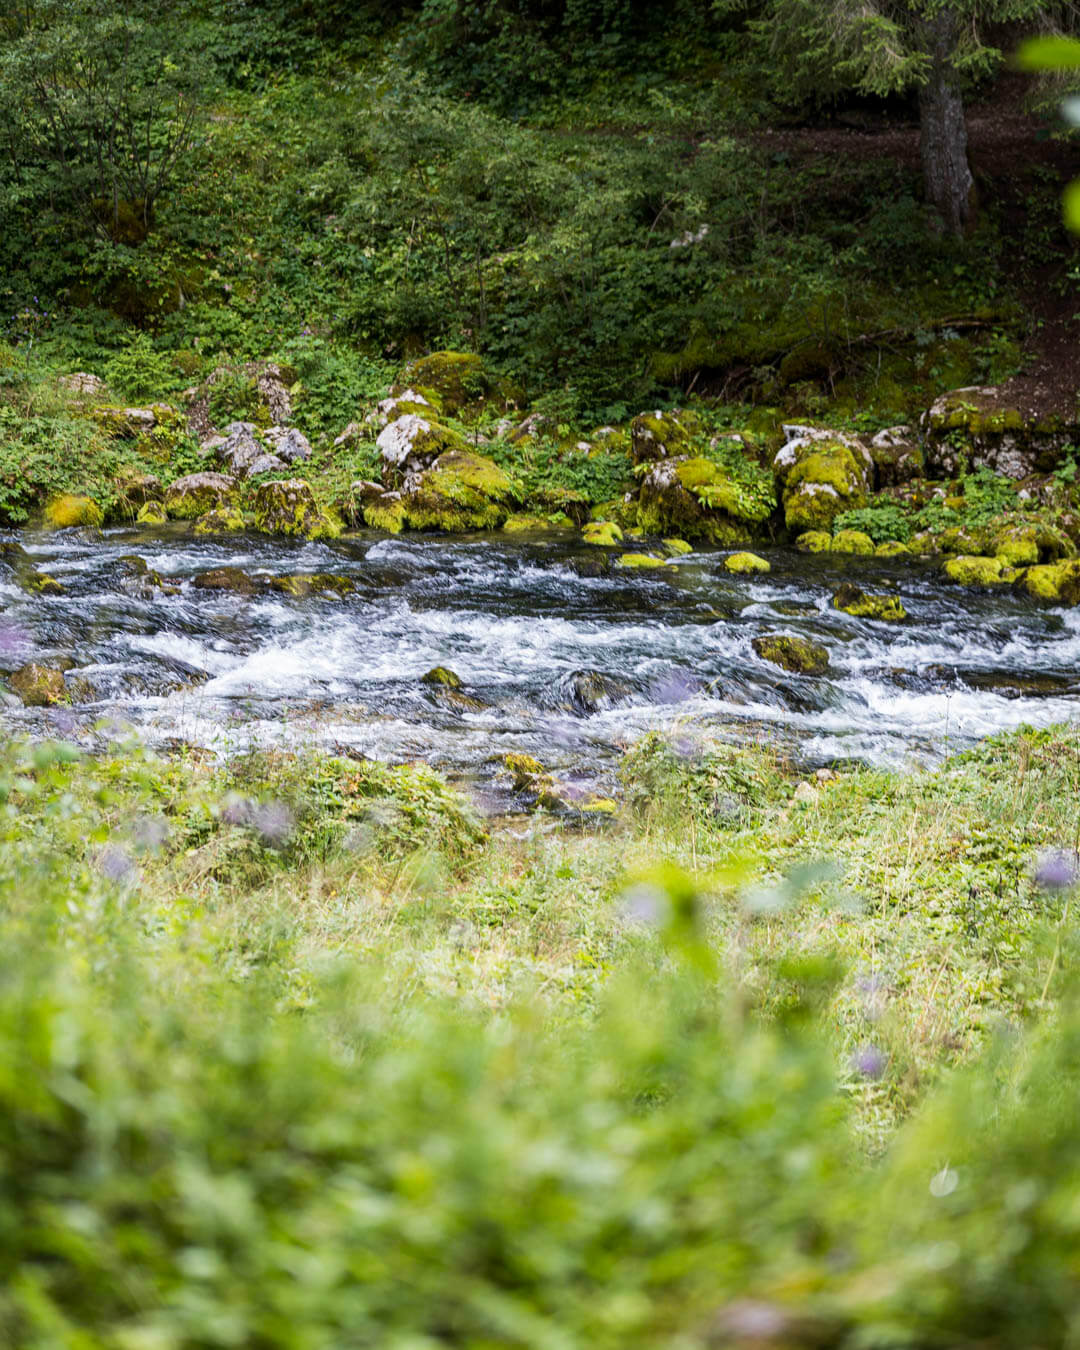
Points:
x=643, y=904
x=869, y=1061
x=1056, y=871
x=273, y=822
x=237, y=810
x=149, y=833
x=115, y=865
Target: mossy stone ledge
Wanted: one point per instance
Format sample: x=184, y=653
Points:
x=978, y=571
x=288, y=506
x=196, y=493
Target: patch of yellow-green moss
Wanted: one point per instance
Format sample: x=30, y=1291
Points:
x=460, y=492
x=152, y=513
x=303, y=585
x=450, y=381
x=800, y=656
x=443, y=677
x=741, y=563
x=659, y=435
x=1017, y=545
x=1053, y=583
x=676, y=548
x=388, y=516
x=861, y=605
x=978, y=571
x=853, y=541
x=288, y=506
x=64, y=512
x=892, y=548
x=821, y=485
x=644, y=560
x=602, y=533
x=525, y=524
x=223, y=520
x=39, y=686
x=814, y=541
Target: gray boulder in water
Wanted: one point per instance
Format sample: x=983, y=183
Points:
x=589, y=691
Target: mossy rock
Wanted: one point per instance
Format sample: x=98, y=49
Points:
x=288, y=506
x=224, y=520
x=40, y=583
x=860, y=604
x=676, y=548
x=192, y=496
x=62, y=513
x=602, y=533
x=443, y=677
x=925, y=544
x=301, y=586
x=450, y=381
x=226, y=579
x=854, y=542
x=980, y=427
x=659, y=435
x=525, y=524
x=1053, y=583
x=801, y=656
x=814, y=541
x=412, y=443
x=617, y=510
x=460, y=492
x=527, y=772
x=39, y=686
x=152, y=513
x=822, y=484
x=697, y=499
x=642, y=560
x=892, y=548
x=386, y=513
x=967, y=540
x=742, y=563
x=978, y=571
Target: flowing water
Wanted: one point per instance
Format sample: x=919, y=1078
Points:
x=515, y=619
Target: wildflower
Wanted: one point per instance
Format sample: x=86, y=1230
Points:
x=149, y=833
x=869, y=1062
x=643, y=904
x=1056, y=871
x=273, y=822
x=115, y=865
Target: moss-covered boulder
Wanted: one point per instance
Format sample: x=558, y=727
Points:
x=601, y=533
x=801, y=656
x=677, y=548
x=386, y=512
x=224, y=520
x=968, y=540
x=659, y=435
x=38, y=686
x=226, y=579
x=897, y=456
x=522, y=523
x=590, y=691
x=64, y=512
x=892, y=548
x=699, y=499
x=413, y=443
x=978, y=571
x=982, y=427
x=129, y=423
x=854, y=542
x=925, y=544
x=152, y=513
x=39, y=583
x=1053, y=583
x=820, y=474
x=196, y=493
x=743, y=563
x=1016, y=546
x=288, y=506
x=814, y=541
x=860, y=604
x=136, y=488
x=450, y=381
x=461, y=491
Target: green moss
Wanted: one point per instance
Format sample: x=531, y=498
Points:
x=892, y=548
x=1054, y=583
x=382, y=516
x=799, y=655
x=640, y=560
x=602, y=533
x=62, y=513
x=40, y=583
x=152, y=513
x=315, y=583
x=460, y=492
x=223, y=520
x=1017, y=545
x=39, y=686
x=978, y=571
x=741, y=563
x=852, y=541
x=524, y=524
x=861, y=605
x=658, y=435
x=825, y=481
x=675, y=548
x=443, y=677
x=288, y=506
x=450, y=381
x=814, y=541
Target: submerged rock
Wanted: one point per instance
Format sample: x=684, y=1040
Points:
x=800, y=656
x=740, y=563
x=64, y=512
x=590, y=691
x=312, y=583
x=226, y=579
x=443, y=677
x=196, y=493
x=643, y=560
x=40, y=583
x=39, y=686
x=855, y=601
x=288, y=506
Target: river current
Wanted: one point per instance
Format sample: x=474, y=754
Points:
x=515, y=619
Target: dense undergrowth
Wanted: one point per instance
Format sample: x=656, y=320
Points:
x=296, y=1053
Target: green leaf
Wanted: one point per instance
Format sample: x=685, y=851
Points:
x=1049, y=53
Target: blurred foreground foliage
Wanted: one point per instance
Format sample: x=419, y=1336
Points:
x=192, y=1155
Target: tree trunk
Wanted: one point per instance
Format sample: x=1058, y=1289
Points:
x=950, y=188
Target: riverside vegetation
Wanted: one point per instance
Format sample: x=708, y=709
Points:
x=301, y=1048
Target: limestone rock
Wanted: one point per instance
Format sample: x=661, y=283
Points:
x=196, y=493
x=821, y=473
x=460, y=491
x=243, y=454
x=800, y=656
x=980, y=425
x=288, y=444
x=897, y=456
x=83, y=385
x=699, y=499
x=746, y=562
x=861, y=605
x=658, y=435
x=449, y=381
x=62, y=513
x=222, y=520
x=288, y=506
x=38, y=686
x=413, y=443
